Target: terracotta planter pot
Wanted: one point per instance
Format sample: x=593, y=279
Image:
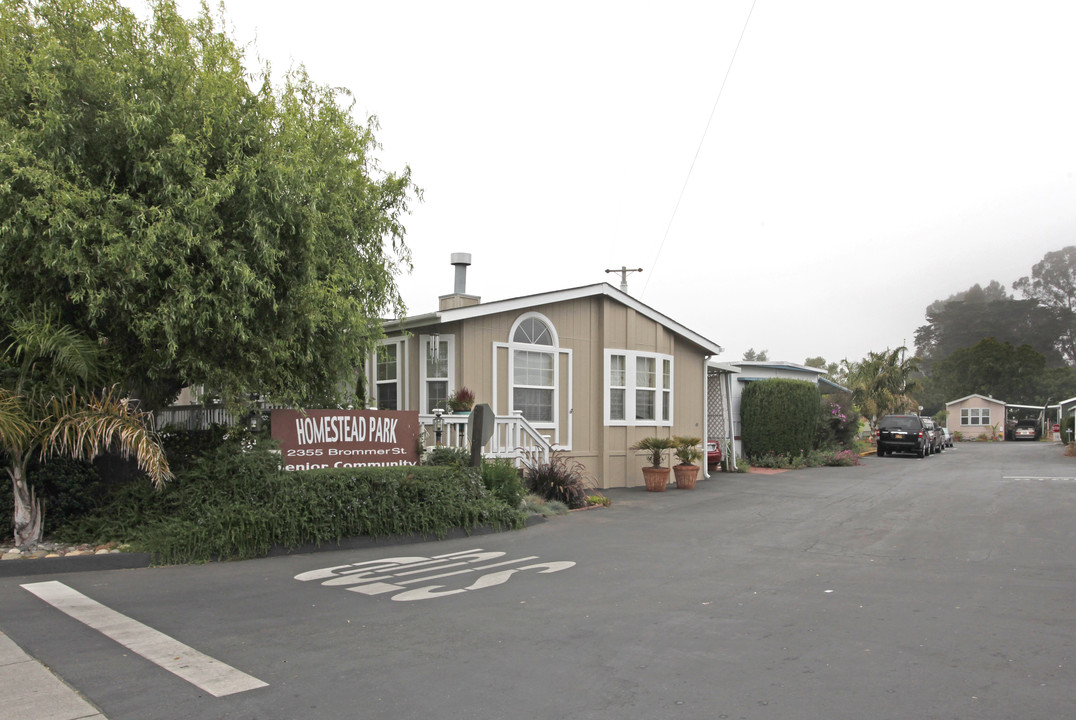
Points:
x=686, y=475
x=656, y=478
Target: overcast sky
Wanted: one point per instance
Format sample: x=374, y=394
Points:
x=863, y=159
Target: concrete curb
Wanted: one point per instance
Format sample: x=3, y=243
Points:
x=81, y=563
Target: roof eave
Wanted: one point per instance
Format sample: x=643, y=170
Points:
x=527, y=301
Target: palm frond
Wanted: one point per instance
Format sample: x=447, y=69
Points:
x=67, y=355
x=84, y=426
x=16, y=429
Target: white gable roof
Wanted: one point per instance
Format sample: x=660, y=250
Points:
x=819, y=374
x=977, y=395
x=745, y=365
x=529, y=301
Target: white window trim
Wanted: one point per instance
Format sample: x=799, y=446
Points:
x=965, y=417
x=665, y=391
x=558, y=441
x=552, y=389
x=401, y=373
x=424, y=350
x=552, y=350
x=629, y=389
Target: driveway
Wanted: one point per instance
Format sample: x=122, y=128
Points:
x=903, y=588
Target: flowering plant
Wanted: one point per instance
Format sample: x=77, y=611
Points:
x=461, y=400
x=837, y=422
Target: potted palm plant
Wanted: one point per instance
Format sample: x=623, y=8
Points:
x=656, y=477
x=688, y=453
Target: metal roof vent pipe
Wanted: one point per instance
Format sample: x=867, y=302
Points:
x=460, y=261
x=459, y=297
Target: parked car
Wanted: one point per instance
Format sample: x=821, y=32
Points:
x=713, y=454
x=948, y=437
x=1026, y=430
x=937, y=440
x=903, y=433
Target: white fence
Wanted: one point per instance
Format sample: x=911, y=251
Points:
x=513, y=437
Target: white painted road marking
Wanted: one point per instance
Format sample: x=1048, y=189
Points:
x=1028, y=477
x=200, y=670
x=376, y=577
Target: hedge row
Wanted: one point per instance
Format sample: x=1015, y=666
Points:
x=233, y=504
x=779, y=417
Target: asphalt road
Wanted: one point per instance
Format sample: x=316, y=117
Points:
x=904, y=588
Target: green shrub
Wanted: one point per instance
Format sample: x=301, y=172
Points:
x=536, y=505
x=234, y=504
x=842, y=458
x=779, y=417
x=183, y=447
x=502, y=478
x=828, y=457
x=560, y=478
x=447, y=456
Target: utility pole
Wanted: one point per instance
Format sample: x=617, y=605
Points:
x=624, y=270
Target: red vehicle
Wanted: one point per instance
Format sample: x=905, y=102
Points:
x=713, y=454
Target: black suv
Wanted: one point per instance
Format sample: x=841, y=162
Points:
x=903, y=433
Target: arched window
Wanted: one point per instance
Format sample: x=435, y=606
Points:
x=533, y=345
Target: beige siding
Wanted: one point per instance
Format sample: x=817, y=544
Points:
x=627, y=330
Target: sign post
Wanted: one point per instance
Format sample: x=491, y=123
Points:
x=480, y=430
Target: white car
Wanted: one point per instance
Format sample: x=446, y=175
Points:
x=1025, y=432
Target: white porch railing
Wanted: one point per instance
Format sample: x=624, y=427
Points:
x=513, y=437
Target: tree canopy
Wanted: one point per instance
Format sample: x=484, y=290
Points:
x=1013, y=374
x=977, y=313
x=209, y=228
x=833, y=370
x=1052, y=284
x=884, y=382
x=985, y=341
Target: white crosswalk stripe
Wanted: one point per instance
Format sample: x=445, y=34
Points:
x=200, y=670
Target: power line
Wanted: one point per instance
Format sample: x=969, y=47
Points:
x=698, y=150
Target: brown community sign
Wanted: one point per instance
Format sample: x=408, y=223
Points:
x=346, y=438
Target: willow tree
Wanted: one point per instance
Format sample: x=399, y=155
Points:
x=48, y=406
x=215, y=228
